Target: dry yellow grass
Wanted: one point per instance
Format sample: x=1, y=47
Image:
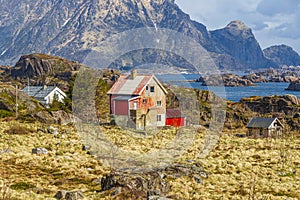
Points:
x=239, y=168
x=242, y=168
x=66, y=167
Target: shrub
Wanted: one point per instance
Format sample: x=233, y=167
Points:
x=5, y=113
x=21, y=186
x=19, y=130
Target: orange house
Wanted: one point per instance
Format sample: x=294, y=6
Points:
x=138, y=101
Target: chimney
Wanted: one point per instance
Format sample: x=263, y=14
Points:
x=133, y=74
x=44, y=87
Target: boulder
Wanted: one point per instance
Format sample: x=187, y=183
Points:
x=5, y=151
x=60, y=194
x=296, y=116
x=152, y=183
x=44, y=117
x=40, y=151
x=52, y=130
x=76, y=195
x=292, y=98
x=67, y=195
x=61, y=117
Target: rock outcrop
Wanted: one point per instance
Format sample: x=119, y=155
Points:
x=286, y=105
x=282, y=55
x=286, y=108
x=227, y=80
x=38, y=65
x=294, y=86
x=147, y=184
x=42, y=69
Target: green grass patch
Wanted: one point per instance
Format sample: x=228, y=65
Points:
x=6, y=113
x=21, y=186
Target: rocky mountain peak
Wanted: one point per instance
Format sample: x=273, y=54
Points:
x=72, y=28
x=236, y=24
x=238, y=28
x=282, y=55
x=238, y=41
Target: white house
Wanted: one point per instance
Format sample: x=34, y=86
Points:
x=45, y=94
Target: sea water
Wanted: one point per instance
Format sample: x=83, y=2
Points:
x=230, y=93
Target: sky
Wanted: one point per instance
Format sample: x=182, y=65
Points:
x=273, y=22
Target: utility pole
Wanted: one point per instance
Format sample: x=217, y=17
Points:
x=16, y=101
x=28, y=90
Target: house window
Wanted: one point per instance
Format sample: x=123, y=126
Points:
x=135, y=105
x=158, y=103
x=147, y=87
x=152, y=89
x=144, y=101
x=159, y=118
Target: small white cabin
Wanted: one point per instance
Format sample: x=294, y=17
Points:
x=45, y=94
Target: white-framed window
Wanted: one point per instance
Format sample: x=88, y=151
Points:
x=159, y=118
x=152, y=89
x=158, y=104
x=135, y=105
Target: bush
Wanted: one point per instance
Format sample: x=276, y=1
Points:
x=19, y=130
x=5, y=113
x=21, y=186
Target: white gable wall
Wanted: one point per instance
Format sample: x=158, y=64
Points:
x=56, y=92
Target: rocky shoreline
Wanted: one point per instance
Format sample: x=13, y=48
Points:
x=228, y=80
x=271, y=75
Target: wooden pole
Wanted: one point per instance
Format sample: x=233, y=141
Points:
x=16, y=101
x=28, y=85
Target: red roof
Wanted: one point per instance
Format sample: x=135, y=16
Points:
x=174, y=113
x=127, y=86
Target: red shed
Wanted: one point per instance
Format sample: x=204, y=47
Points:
x=174, y=117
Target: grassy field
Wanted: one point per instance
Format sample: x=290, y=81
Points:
x=239, y=168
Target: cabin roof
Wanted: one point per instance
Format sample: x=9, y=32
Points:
x=174, y=113
x=124, y=98
x=127, y=86
x=39, y=92
x=259, y=122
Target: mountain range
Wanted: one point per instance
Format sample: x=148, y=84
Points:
x=72, y=28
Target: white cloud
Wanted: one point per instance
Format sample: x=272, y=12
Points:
x=273, y=21
x=273, y=7
x=215, y=13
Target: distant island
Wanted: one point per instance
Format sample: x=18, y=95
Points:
x=294, y=86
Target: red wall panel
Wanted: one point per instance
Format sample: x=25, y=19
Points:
x=121, y=107
x=177, y=122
